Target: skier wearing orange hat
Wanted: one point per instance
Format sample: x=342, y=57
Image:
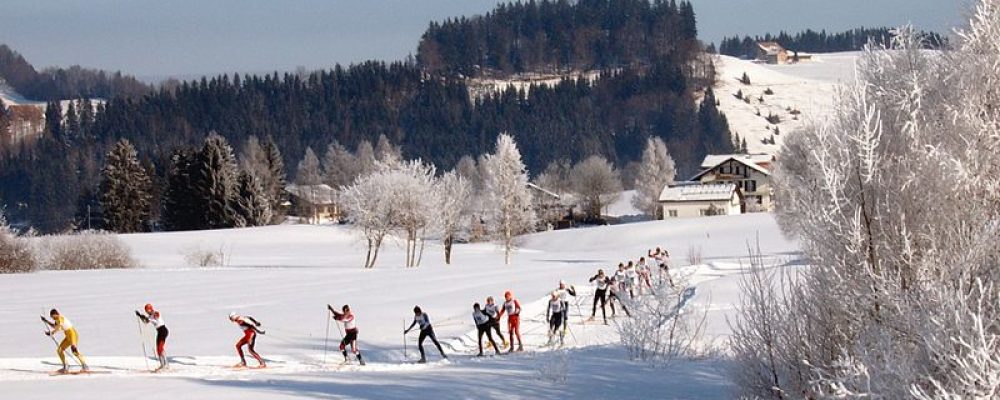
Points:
x=513, y=309
x=154, y=318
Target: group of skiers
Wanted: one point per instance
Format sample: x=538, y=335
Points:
x=629, y=278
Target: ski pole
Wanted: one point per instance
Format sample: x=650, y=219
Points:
x=326, y=338
x=145, y=355
x=405, y=357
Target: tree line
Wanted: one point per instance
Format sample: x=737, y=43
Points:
x=553, y=35
x=822, y=42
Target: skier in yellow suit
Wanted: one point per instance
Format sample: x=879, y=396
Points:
x=70, y=338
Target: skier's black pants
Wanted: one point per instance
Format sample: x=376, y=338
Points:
x=600, y=295
x=424, y=334
x=349, y=338
x=555, y=321
x=485, y=329
x=611, y=299
x=495, y=324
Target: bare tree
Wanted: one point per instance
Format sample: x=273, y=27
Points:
x=597, y=184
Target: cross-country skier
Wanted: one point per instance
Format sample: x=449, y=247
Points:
x=249, y=326
x=614, y=288
x=601, y=295
x=554, y=314
x=631, y=278
x=70, y=339
x=662, y=258
x=643, y=273
x=493, y=311
x=154, y=318
x=350, y=332
x=513, y=309
x=483, y=327
x=564, y=293
x=426, y=331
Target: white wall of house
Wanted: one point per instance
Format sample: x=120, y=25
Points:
x=690, y=209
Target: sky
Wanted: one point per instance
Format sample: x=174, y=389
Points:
x=187, y=38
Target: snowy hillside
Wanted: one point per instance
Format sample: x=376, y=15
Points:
x=800, y=92
x=285, y=275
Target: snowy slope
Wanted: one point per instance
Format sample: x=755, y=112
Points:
x=285, y=275
x=808, y=87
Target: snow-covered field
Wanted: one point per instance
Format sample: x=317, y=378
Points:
x=808, y=87
x=285, y=276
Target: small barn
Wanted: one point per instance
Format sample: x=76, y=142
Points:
x=314, y=203
x=694, y=199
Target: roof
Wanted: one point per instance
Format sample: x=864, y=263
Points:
x=694, y=191
x=314, y=194
x=712, y=160
x=543, y=191
x=770, y=47
x=736, y=157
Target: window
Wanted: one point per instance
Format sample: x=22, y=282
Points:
x=672, y=213
x=750, y=186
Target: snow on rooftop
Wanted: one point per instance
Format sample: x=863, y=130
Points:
x=698, y=192
x=712, y=160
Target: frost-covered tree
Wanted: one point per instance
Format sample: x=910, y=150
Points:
x=365, y=156
x=368, y=206
x=508, y=199
x=309, y=171
x=413, y=201
x=556, y=177
x=340, y=167
x=273, y=180
x=895, y=200
x=596, y=183
x=386, y=152
x=454, y=193
x=656, y=170
x=16, y=253
x=214, y=180
x=124, y=190
x=252, y=204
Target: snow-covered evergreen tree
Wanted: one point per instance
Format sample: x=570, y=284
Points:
x=309, y=171
x=252, y=204
x=508, y=202
x=365, y=156
x=386, y=152
x=656, y=170
x=215, y=182
x=124, y=191
x=340, y=167
x=273, y=180
x=454, y=194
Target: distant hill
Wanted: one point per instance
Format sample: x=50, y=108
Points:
x=65, y=83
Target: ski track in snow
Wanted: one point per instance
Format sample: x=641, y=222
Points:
x=285, y=275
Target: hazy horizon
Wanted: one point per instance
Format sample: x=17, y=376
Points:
x=186, y=38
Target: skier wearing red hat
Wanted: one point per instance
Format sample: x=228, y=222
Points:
x=153, y=317
x=513, y=309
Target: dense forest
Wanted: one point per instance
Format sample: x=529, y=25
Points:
x=428, y=112
x=560, y=34
x=820, y=42
x=65, y=83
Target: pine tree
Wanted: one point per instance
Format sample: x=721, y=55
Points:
x=215, y=183
x=339, y=166
x=53, y=121
x=365, y=154
x=386, y=152
x=509, y=200
x=308, y=172
x=180, y=208
x=71, y=126
x=124, y=190
x=273, y=182
x=252, y=203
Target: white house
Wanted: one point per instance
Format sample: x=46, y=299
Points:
x=693, y=199
x=750, y=172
